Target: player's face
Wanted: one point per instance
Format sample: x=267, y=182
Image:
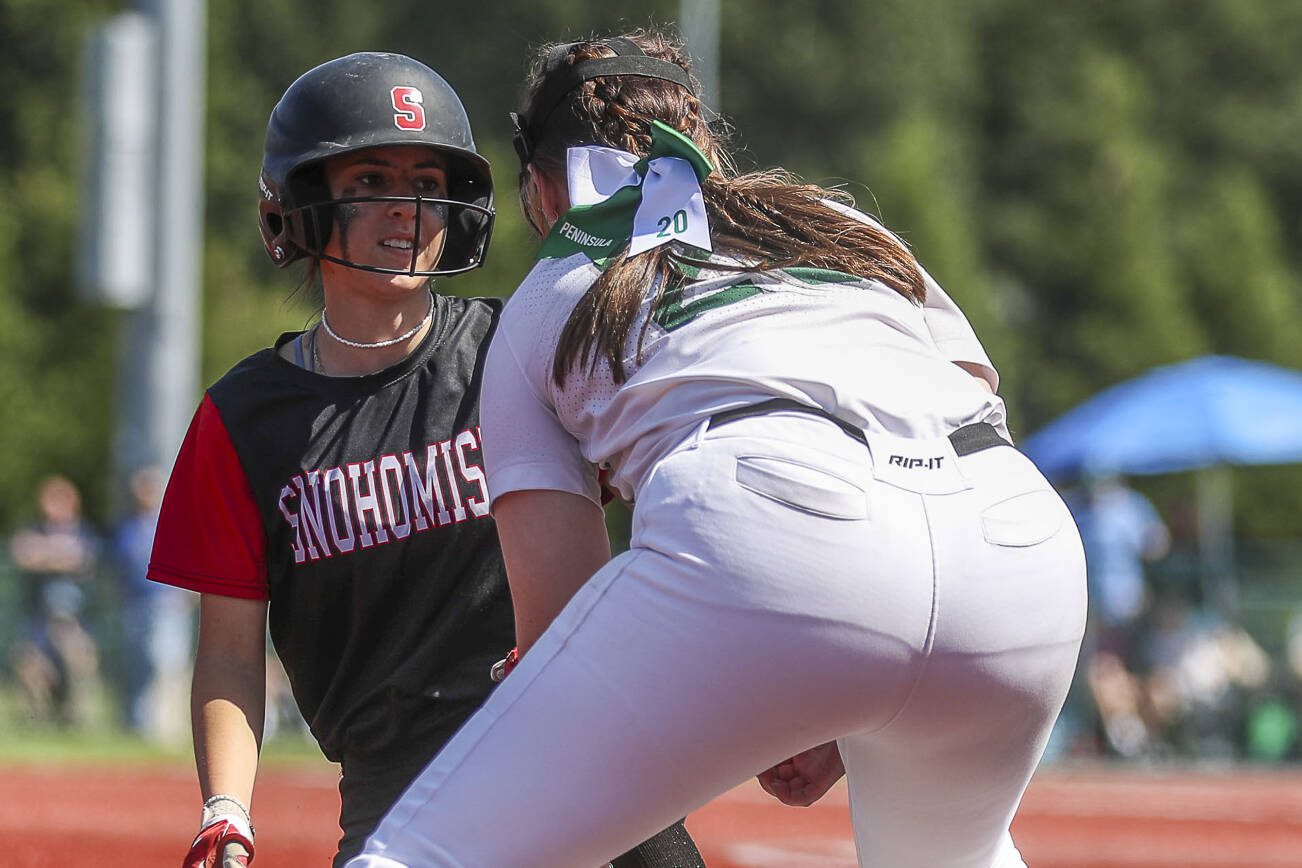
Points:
x=383, y=234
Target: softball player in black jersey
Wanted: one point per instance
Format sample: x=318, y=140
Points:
x=331, y=486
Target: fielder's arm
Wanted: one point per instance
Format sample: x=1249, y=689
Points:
x=980, y=373
x=552, y=542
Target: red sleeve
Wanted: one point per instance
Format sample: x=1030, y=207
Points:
x=210, y=537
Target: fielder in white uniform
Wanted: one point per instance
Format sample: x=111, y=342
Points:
x=837, y=560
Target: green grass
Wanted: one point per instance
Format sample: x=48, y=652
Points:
x=101, y=741
x=55, y=747
x=80, y=747
x=109, y=747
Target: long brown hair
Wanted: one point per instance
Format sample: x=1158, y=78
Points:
x=768, y=219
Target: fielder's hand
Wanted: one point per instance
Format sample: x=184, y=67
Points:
x=806, y=777
x=225, y=838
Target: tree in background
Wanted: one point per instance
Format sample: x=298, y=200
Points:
x=55, y=352
x=1102, y=187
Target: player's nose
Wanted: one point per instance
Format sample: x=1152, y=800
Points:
x=402, y=208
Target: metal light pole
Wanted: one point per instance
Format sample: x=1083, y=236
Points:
x=699, y=21
x=146, y=224
x=169, y=335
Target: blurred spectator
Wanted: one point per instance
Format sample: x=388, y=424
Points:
x=157, y=624
x=55, y=658
x=1201, y=673
x=282, y=719
x=1105, y=710
x=1293, y=647
x=1120, y=702
x=1275, y=720
x=1271, y=732
x=1121, y=531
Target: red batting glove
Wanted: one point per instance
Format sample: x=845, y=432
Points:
x=503, y=667
x=210, y=847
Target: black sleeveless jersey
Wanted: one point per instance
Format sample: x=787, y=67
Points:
x=358, y=508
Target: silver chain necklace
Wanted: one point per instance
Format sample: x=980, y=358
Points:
x=429, y=314
x=317, y=367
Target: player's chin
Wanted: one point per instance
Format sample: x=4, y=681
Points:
x=407, y=283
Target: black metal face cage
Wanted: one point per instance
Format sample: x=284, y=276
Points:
x=319, y=216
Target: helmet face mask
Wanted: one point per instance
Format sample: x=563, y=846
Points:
x=327, y=222
x=361, y=102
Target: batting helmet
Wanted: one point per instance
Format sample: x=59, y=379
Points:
x=369, y=100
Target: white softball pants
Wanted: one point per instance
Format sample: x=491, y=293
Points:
x=777, y=595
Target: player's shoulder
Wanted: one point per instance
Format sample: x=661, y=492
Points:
x=559, y=275
x=259, y=375
x=551, y=285
x=471, y=307
x=253, y=367
x=466, y=323
x=854, y=213
x=846, y=209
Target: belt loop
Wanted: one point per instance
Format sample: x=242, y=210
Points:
x=976, y=437
x=693, y=440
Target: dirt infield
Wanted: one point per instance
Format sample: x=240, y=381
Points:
x=57, y=817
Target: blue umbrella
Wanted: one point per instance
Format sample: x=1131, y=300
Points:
x=1196, y=415
x=1208, y=411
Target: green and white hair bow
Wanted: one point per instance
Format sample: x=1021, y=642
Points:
x=617, y=199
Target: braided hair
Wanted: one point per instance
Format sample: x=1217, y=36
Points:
x=767, y=220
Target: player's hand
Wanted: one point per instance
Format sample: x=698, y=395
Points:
x=219, y=845
x=503, y=667
x=806, y=777
x=235, y=856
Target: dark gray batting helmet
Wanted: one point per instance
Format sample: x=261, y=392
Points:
x=369, y=100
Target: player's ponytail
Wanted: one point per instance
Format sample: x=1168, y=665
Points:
x=767, y=220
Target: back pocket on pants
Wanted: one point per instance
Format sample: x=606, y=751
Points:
x=1023, y=520
x=799, y=486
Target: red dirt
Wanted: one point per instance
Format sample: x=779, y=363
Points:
x=57, y=817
